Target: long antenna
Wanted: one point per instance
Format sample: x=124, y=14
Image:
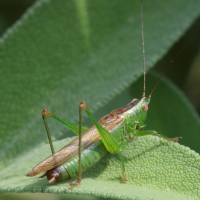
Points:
x=170, y=64
x=143, y=95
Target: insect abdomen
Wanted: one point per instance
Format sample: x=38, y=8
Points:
x=69, y=169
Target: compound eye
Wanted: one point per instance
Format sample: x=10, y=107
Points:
x=145, y=107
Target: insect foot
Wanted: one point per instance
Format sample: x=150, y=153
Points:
x=124, y=177
x=176, y=139
x=75, y=184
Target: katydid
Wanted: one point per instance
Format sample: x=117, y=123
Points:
x=108, y=135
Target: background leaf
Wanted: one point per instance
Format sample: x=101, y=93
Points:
x=61, y=51
x=154, y=167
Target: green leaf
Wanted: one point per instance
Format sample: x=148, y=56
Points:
x=155, y=168
x=64, y=52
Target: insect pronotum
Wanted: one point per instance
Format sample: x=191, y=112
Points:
x=108, y=135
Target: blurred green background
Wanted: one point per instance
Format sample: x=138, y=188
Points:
x=188, y=68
